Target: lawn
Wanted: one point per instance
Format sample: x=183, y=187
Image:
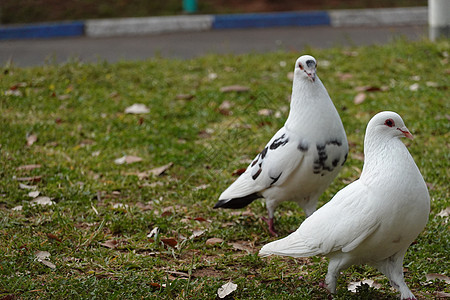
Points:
x=97, y=203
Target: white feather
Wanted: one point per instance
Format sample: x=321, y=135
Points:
x=374, y=219
x=286, y=172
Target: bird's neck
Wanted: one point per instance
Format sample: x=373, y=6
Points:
x=307, y=103
x=382, y=155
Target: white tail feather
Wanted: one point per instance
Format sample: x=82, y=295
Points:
x=292, y=245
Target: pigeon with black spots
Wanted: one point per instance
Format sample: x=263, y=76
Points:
x=302, y=158
x=372, y=220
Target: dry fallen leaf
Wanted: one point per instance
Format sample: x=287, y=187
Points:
x=226, y=289
x=28, y=167
x=414, y=87
x=246, y=213
x=444, y=213
x=137, y=108
x=344, y=76
x=31, y=139
x=41, y=256
x=434, y=276
x=170, y=242
x=154, y=232
x=441, y=295
x=201, y=187
x=128, y=159
x=224, y=108
x=212, y=76
x=160, y=170
x=48, y=264
x=42, y=200
x=213, y=241
x=155, y=285
x=325, y=63
x=86, y=142
x=242, y=246
x=119, y=205
x=290, y=76
x=184, y=97
x=350, y=53
x=352, y=287
x=27, y=187
x=371, y=88
x=32, y=179
x=204, y=134
x=16, y=93
x=112, y=244
x=33, y=194
x=153, y=184
x=196, y=233
x=265, y=112
x=431, y=84
x=144, y=206
x=63, y=97
x=53, y=237
x=359, y=98
x=178, y=273
x=227, y=224
x=234, y=88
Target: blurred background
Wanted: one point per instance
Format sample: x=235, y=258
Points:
x=28, y=11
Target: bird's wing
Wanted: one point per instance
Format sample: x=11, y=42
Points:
x=271, y=167
x=341, y=224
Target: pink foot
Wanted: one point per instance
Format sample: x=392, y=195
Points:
x=270, y=224
x=324, y=285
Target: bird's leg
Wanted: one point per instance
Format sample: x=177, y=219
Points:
x=270, y=205
x=269, y=222
x=338, y=262
x=330, y=282
x=324, y=285
x=309, y=205
x=392, y=267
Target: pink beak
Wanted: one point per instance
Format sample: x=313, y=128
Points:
x=406, y=133
x=312, y=75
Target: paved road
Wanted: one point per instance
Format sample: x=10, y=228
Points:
x=188, y=45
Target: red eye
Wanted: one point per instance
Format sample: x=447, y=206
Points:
x=300, y=66
x=389, y=122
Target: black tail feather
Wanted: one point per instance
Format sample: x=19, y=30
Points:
x=237, y=202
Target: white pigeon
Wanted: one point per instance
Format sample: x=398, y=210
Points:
x=372, y=220
x=302, y=158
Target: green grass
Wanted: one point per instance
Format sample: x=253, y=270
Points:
x=77, y=112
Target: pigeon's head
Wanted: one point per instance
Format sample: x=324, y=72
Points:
x=389, y=124
x=305, y=67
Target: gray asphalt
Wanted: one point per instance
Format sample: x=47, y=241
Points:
x=187, y=45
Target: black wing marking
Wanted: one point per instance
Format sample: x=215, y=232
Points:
x=320, y=163
x=238, y=202
x=303, y=146
x=259, y=158
x=275, y=179
x=281, y=141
